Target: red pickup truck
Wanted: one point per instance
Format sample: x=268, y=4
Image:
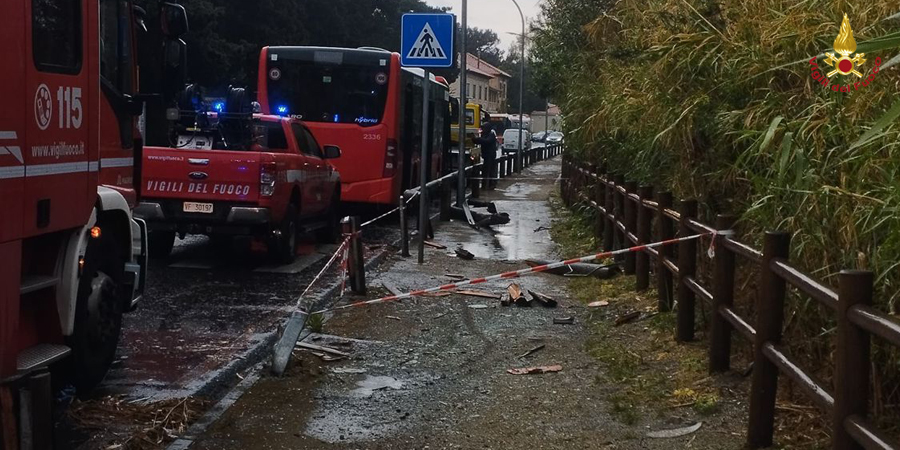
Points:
x=272, y=185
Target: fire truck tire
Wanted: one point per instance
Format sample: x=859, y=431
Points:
x=161, y=243
x=331, y=233
x=284, y=246
x=98, y=316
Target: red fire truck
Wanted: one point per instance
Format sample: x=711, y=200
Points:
x=73, y=257
x=234, y=172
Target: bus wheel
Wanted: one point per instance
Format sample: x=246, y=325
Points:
x=161, y=243
x=284, y=246
x=98, y=317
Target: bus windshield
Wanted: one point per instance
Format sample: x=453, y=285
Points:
x=325, y=88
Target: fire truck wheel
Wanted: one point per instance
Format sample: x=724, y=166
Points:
x=284, y=246
x=161, y=243
x=98, y=317
x=331, y=233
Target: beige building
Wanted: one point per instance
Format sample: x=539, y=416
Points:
x=486, y=85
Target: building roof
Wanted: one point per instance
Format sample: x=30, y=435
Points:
x=480, y=66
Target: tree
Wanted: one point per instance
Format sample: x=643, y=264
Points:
x=485, y=45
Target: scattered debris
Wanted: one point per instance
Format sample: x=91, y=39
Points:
x=677, y=432
x=435, y=245
x=391, y=288
x=437, y=294
x=481, y=294
x=321, y=349
x=505, y=301
x=393, y=317
x=464, y=254
x=546, y=300
x=598, y=304
x=534, y=370
x=455, y=276
x=541, y=228
x=625, y=318
x=478, y=306
x=347, y=370
x=529, y=352
x=564, y=320
x=580, y=269
x=518, y=295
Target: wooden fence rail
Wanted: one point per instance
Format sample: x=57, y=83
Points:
x=627, y=215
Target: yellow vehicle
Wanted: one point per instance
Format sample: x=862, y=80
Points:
x=473, y=110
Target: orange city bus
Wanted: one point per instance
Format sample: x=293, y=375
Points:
x=363, y=101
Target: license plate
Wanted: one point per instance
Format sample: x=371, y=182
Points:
x=192, y=207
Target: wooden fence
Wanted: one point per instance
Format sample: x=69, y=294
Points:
x=632, y=215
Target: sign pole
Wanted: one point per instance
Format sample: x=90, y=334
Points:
x=463, y=61
x=423, y=173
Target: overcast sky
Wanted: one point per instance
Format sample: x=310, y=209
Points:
x=500, y=16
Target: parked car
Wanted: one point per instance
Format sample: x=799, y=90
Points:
x=554, y=138
x=539, y=136
x=269, y=179
x=511, y=140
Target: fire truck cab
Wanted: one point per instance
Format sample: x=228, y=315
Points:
x=73, y=256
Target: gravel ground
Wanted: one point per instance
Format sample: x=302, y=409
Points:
x=432, y=372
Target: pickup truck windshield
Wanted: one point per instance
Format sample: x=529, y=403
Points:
x=328, y=90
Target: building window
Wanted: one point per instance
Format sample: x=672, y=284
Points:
x=56, y=35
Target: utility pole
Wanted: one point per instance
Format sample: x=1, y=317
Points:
x=461, y=185
x=521, y=90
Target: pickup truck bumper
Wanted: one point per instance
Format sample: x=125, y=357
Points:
x=167, y=215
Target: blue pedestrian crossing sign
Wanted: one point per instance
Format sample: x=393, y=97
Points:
x=427, y=40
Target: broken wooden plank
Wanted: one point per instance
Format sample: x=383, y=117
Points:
x=625, y=318
x=481, y=294
x=435, y=245
x=437, y=294
x=545, y=299
x=322, y=349
x=390, y=287
x=529, y=352
x=534, y=370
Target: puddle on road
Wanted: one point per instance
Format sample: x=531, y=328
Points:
x=371, y=384
x=523, y=237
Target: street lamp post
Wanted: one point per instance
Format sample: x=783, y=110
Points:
x=521, y=90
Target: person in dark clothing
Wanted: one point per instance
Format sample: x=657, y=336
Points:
x=488, y=143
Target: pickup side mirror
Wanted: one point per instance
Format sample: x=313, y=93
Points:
x=331, y=152
x=174, y=20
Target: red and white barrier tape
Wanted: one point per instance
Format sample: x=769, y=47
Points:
x=514, y=274
x=344, y=245
x=365, y=224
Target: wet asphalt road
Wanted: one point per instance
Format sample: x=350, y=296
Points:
x=204, y=310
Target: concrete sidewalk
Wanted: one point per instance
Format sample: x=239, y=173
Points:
x=431, y=372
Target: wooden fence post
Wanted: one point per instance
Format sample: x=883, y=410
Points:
x=357, y=263
x=618, y=215
x=769, y=320
x=597, y=191
x=630, y=220
x=687, y=267
x=852, y=357
x=644, y=223
x=664, y=232
x=723, y=297
x=609, y=227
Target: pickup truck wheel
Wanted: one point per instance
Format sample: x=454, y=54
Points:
x=285, y=246
x=161, y=243
x=98, y=317
x=332, y=232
